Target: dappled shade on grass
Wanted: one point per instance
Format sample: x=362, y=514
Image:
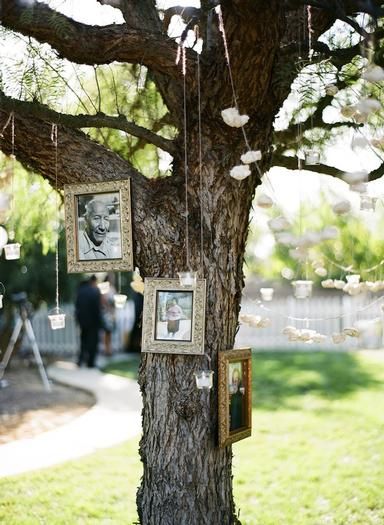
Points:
x=280, y=378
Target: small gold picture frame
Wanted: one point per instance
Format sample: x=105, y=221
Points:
x=235, y=395
x=173, y=317
x=98, y=226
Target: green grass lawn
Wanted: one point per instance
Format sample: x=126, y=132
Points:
x=316, y=456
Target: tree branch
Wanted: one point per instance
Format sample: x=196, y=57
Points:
x=291, y=164
x=86, y=44
x=99, y=120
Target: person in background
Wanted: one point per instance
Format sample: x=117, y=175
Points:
x=108, y=314
x=89, y=317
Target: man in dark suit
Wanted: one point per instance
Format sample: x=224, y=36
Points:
x=88, y=315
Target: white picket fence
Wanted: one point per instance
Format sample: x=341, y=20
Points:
x=66, y=342
x=332, y=314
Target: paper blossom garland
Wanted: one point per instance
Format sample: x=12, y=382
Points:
x=232, y=117
x=240, y=172
x=256, y=321
x=304, y=335
x=250, y=156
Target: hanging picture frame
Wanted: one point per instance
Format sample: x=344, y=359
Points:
x=98, y=226
x=235, y=395
x=173, y=317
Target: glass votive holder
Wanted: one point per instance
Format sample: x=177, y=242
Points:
x=119, y=299
x=204, y=379
x=312, y=158
x=367, y=203
x=266, y=294
x=12, y=251
x=302, y=289
x=353, y=278
x=187, y=278
x=56, y=319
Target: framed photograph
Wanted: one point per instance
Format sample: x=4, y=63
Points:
x=173, y=317
x=235, y=395
x=98, y=226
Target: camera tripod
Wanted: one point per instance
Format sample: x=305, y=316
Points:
x=23, y=321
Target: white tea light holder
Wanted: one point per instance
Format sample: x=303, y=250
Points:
x=204, y=379
x=367, y=203
x=12, y=251
x=266, y=294
x=119, y=299
x=56, y=319
x=312, y=158
x=302, y=289
x=187, y=278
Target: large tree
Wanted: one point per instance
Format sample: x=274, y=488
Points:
x=187, y=478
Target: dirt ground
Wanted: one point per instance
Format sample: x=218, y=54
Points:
x=26, y=409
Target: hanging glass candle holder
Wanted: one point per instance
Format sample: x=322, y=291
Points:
x=266, y=294
x=367, y=203
x=3, y=237
x=204, y=379
x=187, y=278
x=12, y=251
x=119, y=299
x=57, y=319
x=302, y=289
x=312, y=157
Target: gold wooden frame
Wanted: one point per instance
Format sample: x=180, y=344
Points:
x=153, y=344
x=72, y=192
x=243, y=356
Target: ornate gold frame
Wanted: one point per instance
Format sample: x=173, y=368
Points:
x=71, y=193
x=152, y=345
x=226, y=437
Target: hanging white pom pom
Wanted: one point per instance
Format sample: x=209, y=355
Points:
x=264, y=201
x=355, y=177
x=240, y=172
x=341, y=207
x=322, y=272
x=373, y=74
x=278, y=224
x=331, y=90
x=251, y=156
x=232, y=117
x=368, y=105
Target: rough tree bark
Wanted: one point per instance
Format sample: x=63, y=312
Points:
x=187, y=478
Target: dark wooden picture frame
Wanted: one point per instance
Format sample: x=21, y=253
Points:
x=235, y=395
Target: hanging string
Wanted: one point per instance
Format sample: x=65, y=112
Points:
x=317, y=319
x=55, y=144
x=200, y=158
x=350, y=269
x=184, y=68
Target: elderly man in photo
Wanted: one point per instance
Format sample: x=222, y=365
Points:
x=94, y=241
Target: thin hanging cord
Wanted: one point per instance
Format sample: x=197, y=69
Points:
x=183, y=66
x=200, y=159
x=54, y=140
x=12, y=117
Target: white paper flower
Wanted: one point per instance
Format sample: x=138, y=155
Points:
x=348, y=111
x=232, y=118
x=329, y=233
x=360, y=187
x=251, y=156
x=351, y=331
x=373, y=74
x=339, y=284
x=331, y=90
x=338, y=338
x=310, y=238
x=285, y=238
x=288, y=330
x=278, y=224
x=328, y=283
x=240, y=172
x=264, y=201
x=368, y=105
x=322, y=272
x=355, y=177
x=137, y=284
x=341, y=207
